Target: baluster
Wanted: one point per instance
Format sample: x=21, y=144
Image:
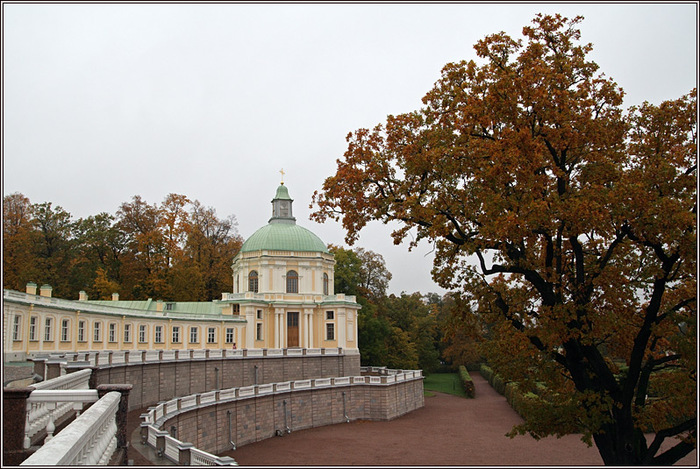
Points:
x=27, y=439
x=50, y=427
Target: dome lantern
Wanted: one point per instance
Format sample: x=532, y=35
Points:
x=282, y=207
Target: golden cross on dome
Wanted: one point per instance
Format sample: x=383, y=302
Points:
x=282, y=173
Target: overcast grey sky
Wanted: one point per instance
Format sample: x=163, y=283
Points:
x=106, y=101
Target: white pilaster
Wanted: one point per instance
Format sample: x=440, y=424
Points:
x=250, y=328
x=342, y=336
x=279, y=327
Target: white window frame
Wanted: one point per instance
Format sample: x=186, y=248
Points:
x=97, y=331
x=48, y=330
x=176, y=334
x=81, y=331
x=194, y=335
x=17, y=328
x=211, y=335
x=65, y=330
x=330, y=331
x=32, y=328
x=127, y=333
x=158, y=334
x=143, y=333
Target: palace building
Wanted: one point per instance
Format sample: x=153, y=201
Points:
x=282, y=297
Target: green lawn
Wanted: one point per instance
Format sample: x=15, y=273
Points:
x=443, y=382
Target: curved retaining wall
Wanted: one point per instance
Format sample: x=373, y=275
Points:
x=159, y=376
x=255, y=413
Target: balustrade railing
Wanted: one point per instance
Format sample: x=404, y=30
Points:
x=46, y=405
x=170, y=447
x=124, y=357
x=89, y=440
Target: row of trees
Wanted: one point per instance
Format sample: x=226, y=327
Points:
x=178, y=250
x=567, y=222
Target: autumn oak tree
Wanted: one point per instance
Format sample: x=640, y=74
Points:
x=566, y=221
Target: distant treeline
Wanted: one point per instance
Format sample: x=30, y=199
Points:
x=178, y=250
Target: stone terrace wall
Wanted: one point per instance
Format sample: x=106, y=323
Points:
x=259, y=417
x=158, y=376
x=166, y=379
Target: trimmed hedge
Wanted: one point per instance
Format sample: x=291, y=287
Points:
x=524, y=403
x=466, y=381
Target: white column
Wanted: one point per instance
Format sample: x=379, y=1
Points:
x=249, y=329
x=311, y=329
x=342, y=323
x=308, y=331
x=279, y=327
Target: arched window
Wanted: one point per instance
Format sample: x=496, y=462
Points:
x=325, y=283
x=253, y=281
x=292, y=282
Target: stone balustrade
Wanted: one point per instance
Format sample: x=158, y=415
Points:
x=51, y=400
x=91, y=439
x=45, y=407
x=331, y=389
x=107, y=358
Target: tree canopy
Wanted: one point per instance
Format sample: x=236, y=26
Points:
x=568, y=223
x=179, y=250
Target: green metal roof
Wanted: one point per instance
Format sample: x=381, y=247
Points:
x=284, y=237
x=206, y=308
x=282, y=193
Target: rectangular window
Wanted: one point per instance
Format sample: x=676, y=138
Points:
x=211, y=335
x=159, y=334
x=259, y=314
x=330, y=331
x=193, y=335
x=329, y=315
x=81, y=331
x=65, y=337
x=97, y=333
x=142, y=333
x=32, y=328
x=259, y=331
x=176, y=334
x=48, y=336
x=16, y=331
x=169, y=306
x=127, y=333
x=236, y=308
x=112, y=332
x=229, y=335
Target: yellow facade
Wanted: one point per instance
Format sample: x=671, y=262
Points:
x=282, y=298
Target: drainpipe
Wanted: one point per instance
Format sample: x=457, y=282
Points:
x=345, y=413
x=256, y=375
x=216, y=378
x=230, y=433
x=286, y=427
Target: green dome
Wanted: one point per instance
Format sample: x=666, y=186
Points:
x=284, y=237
